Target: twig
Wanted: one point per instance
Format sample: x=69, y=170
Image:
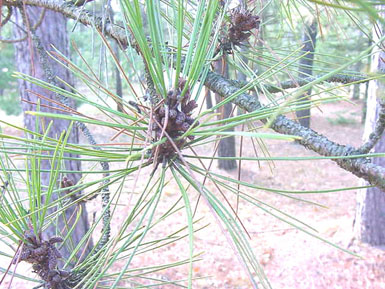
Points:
x=34, y=27
x=378, y=131
x=310, y=139
x=338, y=78
x=84, y=129
x=7, y=17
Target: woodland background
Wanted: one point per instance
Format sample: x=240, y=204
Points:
x=306, y=40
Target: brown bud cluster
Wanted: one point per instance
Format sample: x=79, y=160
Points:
x=242, y=22
x=179, y=120
x=65, y=183
x=43, y=256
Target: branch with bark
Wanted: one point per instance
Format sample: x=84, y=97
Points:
x=71, y=11
x=105, y=193
x=378, y=131
x=84, y=129
x=33, y=27
x=360, y=167
x=337, y=78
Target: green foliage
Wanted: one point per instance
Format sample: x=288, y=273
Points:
x=9, y=99
x=167, y=60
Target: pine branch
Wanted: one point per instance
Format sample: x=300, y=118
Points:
x=79, y=14
x=378, y=131
x=362, y=168
x=337, y=78
x=86, y=132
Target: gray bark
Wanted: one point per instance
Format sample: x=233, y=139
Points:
x=364, y=107
x=357, y=86
x=369, y=225
x=52, y=31
x=356, y=91
x=306, y=70
x=226, y=146
x=209, y=101
x=363, y=116
x=310, y=139
x=118, y=80
x=242, y=78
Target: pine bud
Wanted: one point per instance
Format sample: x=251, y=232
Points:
x=180, y=118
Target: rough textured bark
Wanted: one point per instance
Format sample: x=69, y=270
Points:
x=361, y=167
x=52, y=31
x=369, y=223
x=226, y=146
x=306, y=69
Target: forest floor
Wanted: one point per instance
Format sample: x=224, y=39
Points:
x=290, y=258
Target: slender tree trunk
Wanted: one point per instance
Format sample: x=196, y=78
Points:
x=357, y=86
x=241, y=77
x=209, y=101
x=52, y=32
x=118, y=79
x=226, y=146
x=363, y=117
x=364, y=107
x=369, y=225
x=356, y=91
x=306, y=69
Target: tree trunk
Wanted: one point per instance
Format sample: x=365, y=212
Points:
x=226, y=146
x=364, y=107
x=52, y=32
x=242, y=77
x=356, y=91
x=357, y=86
x=369, y=225
x=306, y=69
x=118, y=79
x=209, y=101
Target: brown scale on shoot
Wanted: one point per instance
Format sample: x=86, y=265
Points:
x=242, y=22
x=176, y=114
x=43, y=256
